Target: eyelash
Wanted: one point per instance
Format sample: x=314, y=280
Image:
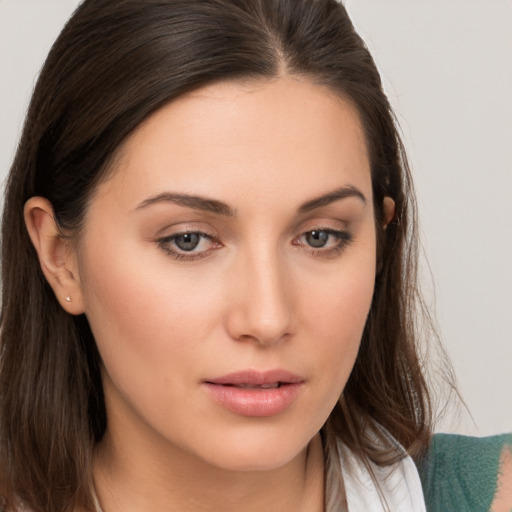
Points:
x=164, y=244
x=343, y=240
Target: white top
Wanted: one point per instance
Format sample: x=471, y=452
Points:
x=399, y=485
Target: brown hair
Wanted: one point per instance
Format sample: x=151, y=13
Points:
x=112, y=66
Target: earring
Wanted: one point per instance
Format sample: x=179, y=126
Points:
x=68, y=299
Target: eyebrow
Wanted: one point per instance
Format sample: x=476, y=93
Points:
x=331, y=197
x=220, y=208
x=190, y=201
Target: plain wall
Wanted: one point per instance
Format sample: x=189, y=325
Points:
x=447, y=68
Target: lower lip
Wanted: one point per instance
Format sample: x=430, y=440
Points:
x=256, y=401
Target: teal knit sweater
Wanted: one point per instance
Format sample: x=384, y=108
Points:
x=460, y=473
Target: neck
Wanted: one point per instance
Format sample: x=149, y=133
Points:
x=130, y=478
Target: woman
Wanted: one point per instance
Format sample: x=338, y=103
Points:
x=209, y=272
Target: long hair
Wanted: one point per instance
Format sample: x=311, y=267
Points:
x=114, y=64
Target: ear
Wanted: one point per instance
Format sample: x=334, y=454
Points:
x=388, y=208
x=56, y=256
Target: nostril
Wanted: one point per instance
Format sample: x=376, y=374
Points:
x=260, y=309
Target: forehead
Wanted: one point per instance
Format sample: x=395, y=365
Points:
x=286, y=136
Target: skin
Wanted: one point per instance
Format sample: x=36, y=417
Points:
x=503, y=499
x=254, y=294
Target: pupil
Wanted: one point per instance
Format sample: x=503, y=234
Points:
x=187, y=241
x=317, y=238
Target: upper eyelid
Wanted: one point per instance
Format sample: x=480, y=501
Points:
x=331, y=231
x=172, y=236
x=189, y=226
x=298, y=226
x=186, y=232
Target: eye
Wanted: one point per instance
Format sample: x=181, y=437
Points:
x=187, y=241
x=317, y=238
x=324, y=241
x=188, y=245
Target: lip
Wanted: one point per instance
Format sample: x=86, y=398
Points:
x=252, y=393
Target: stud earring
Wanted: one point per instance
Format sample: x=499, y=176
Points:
x=68, y=299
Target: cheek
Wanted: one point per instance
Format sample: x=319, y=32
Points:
x=141, y=315
x=338, y=304
x=335, y=314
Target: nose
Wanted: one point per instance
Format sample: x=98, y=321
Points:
x=260, y=300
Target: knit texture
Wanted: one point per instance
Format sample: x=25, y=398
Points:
x=460, y=473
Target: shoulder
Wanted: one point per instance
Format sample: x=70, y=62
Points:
x=462, y=473
x=503, y=497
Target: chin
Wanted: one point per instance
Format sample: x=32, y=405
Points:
x=252, y=454
x=254, y=462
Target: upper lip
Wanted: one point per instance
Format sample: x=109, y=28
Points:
x=257, y=378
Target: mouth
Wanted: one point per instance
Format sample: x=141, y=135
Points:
x=253, y=393
x=257, y=379
x=273, y=385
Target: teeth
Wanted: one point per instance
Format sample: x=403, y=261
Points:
x=274, y=385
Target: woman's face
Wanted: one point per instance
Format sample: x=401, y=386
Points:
x=227, y=268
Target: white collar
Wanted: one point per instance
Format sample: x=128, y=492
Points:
x=399, y=485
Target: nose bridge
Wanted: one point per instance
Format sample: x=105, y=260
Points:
x=263, y=307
